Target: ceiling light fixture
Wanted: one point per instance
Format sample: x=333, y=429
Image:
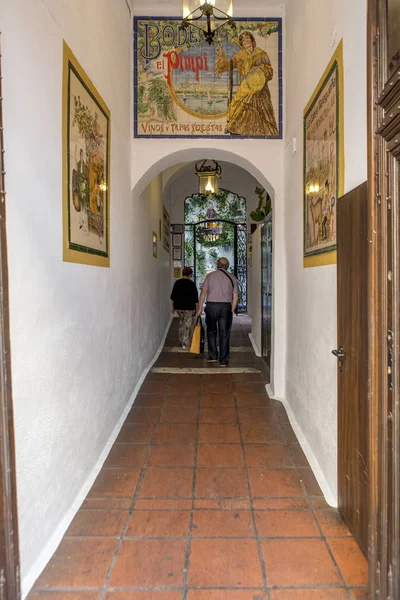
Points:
x=208, y=175
x=215, y=14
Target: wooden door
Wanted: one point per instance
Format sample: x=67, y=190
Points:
x=352, y=354
x=9, y=557
x=384, y=295
x=266, y=289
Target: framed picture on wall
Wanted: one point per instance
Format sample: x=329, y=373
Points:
x=154, y=241
x=166, y=229
x=177, y=253
x=323, y=164
x=86, y=168
x=177, y=240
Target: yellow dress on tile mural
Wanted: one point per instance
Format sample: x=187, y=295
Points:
x=250, y=111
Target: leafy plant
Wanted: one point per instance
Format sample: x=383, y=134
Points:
x=88, y=126
x=213, y=254
x=264, y=205
x=263, y=29
x=201, y=265
x=188, y=250
x=226, y=205
x=159, y=94
x=142, y=106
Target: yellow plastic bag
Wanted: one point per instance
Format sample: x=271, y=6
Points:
x=198, y=334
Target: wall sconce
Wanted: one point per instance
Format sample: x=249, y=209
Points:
x=208, y=175
x=313, y=188
x=208, y=17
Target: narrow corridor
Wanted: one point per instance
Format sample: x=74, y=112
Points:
x=206, y=495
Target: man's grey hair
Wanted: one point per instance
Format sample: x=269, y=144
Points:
x=223, y=263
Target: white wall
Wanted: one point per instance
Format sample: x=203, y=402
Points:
x=313, y=29
x=76, y=331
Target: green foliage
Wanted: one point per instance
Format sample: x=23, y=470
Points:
x=213, y=254
x=159, y=93
x=263, y=29
x=142, y=106
x=82, y=117
x=87, y=124
x=201, y=260
x=264, y=205
x=226, y=205
x=188, y=250
x=224, y=208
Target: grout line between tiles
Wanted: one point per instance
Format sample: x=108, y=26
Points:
x=189, y=547
x=307, y=495
x=260, y=556
x=178, y=588
x=139, y=483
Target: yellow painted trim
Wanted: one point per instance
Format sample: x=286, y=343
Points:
x=329, y=258
x=70, y=255
x=320, y=260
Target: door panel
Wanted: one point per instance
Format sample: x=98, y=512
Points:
x=9, y=546
x=352, y=251
x=266, y=289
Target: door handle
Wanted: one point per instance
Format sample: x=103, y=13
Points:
x=339, y=353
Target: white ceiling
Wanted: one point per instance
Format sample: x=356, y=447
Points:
x=174, y=7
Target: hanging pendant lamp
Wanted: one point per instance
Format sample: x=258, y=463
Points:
x=208, y=175
x=207, y=17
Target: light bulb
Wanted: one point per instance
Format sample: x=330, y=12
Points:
x=209, y=187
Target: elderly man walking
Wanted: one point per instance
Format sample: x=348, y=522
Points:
x=221, y=290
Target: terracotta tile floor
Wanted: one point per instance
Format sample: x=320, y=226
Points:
x=206, y=495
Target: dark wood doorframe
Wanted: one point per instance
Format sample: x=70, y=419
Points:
x=9, y=548
x=384, y=298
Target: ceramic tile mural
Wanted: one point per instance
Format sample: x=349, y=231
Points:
x=86, y=143
x=323, y=165
x=187, y=88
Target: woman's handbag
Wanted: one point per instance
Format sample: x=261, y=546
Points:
x=197, y=346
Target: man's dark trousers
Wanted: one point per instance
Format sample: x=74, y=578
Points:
x=218, y=316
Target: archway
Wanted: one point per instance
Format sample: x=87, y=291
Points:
x=171, y=166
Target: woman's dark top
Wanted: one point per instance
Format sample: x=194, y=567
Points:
x=184, y=295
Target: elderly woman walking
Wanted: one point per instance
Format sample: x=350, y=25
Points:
x=184, y=301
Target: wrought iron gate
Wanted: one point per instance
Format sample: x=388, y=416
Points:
x=206, y=241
